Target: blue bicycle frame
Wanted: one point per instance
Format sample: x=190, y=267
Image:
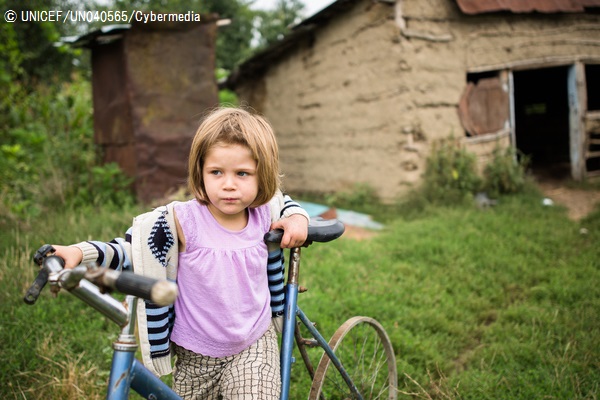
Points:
x=126, y=371
x=291, y=310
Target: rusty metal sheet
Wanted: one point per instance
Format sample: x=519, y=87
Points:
x=484, y=107
x=525, y=6
x=123, y=155
x=170, y=83
x=112, y=116
x=151, y=84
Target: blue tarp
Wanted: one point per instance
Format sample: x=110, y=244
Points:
x=347, y=217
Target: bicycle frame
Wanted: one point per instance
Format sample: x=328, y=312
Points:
x=291, y=311
x=126, y=371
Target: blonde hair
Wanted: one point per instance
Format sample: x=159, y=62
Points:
x=227, y=126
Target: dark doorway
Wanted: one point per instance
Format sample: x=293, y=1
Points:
x=592, y=80
x=542, y=119
x=592, y=83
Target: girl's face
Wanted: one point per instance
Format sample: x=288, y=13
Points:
x=231, y=183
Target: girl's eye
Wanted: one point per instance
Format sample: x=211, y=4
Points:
x=215, y=172
x=243, y=173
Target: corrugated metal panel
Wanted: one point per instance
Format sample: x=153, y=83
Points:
x=525, y=6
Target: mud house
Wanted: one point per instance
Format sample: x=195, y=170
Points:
x=360, y=91
x=151, y=83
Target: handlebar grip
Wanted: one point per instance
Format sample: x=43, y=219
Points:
x=274, y=236
x=319, y=230
x=34, y=291
x=160, y=292
x=42, y=253
x=50, y=264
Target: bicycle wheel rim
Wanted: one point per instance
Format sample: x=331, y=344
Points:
x=366, y=353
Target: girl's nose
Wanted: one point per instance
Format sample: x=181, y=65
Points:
x=229, y=183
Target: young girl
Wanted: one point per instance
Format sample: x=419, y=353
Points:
x=230, y=283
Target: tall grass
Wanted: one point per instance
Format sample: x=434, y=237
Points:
x=495, y=303
x=57, y=348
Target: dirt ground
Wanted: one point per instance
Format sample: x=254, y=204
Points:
x=579, y=202
x=357, y=233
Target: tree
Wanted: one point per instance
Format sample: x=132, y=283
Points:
x=248, y=30
x=273, y=25
x=40, y=56
x=234, y=41
x=31, y=52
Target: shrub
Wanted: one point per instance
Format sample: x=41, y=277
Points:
x=450, y=175
x=359, y=197
x=48, y=157
x=104, y=184
x=505, y=174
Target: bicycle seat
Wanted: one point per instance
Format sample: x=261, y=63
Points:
x=319, y=230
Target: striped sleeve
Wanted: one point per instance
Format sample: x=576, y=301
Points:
x=275, y=272
x=291, y=207
x=160, y=323
x=282, y=207
x=115, y=254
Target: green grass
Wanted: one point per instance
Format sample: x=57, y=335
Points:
x=479, y=304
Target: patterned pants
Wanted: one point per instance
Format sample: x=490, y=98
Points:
x=252, y=374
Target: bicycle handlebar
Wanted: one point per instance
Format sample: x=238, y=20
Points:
x=36, y=288
x=41, y=280
x=319, y=230
x=160, y=292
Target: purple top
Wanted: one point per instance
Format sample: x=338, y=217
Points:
x=223, y=305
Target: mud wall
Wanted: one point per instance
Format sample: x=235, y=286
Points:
x=362, y=99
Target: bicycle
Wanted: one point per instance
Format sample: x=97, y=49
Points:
x=358, y=362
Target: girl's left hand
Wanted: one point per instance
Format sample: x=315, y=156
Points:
x=295, y=230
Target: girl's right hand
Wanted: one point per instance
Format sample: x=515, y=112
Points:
x=71, y=254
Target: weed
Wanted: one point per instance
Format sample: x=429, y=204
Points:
x=359, y=196
x=451, y=178
x=70, y=378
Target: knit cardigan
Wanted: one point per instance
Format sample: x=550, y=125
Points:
x=150, y=249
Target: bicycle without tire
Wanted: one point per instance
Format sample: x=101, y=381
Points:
x=358, y=362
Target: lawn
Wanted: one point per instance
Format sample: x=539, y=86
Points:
x=479, y=304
